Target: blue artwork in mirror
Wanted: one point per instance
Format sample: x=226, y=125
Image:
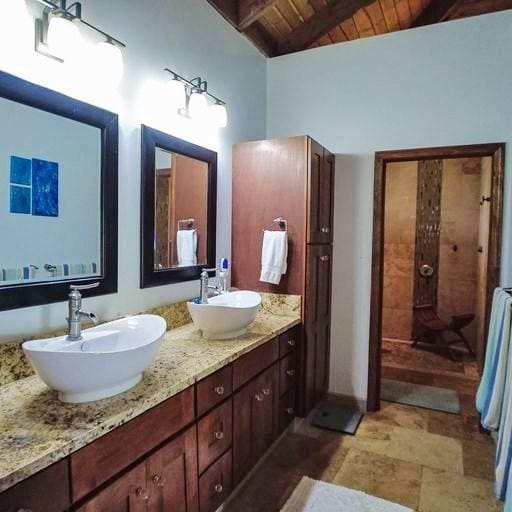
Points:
x=34, y=187
x=45, y=188
x=20, y=199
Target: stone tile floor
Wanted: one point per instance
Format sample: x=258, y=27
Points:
x=428, y=366
x=426, y=460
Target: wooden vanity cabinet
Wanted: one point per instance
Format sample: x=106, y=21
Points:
x=170, y=459
x=291, y=178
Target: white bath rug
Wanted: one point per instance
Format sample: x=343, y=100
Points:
x=315, y=496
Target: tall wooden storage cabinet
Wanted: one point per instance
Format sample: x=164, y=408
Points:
x=291, y=178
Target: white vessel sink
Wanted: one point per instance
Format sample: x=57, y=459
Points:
x=108, y=360
x=226, y=316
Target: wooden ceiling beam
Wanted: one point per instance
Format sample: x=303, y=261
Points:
x=437, y=11
x=250, y=11
x=320, y=24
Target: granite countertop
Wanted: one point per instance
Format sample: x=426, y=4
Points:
x=37, y=430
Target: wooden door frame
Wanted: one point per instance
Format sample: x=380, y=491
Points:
x=497, y=152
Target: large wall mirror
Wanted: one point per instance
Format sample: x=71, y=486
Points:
x=58, y=195
x=178, y=209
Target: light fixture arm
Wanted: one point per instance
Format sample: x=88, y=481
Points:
x=196, y=84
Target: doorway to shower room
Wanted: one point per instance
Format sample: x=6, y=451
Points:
x=437, y=271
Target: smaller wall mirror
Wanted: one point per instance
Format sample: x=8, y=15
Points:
x=178, y=208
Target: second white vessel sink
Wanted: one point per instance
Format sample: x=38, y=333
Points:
x=108, y=360
x=226, y=316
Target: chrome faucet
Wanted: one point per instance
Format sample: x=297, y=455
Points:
x=76, y=315
x=206, y=287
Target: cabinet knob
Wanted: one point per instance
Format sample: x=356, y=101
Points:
x=218, y=488
x=266, y=391
x=325, y=257
x=157, y=479
x=326, y=229
x=290, y=411
x=141, y=493
x=291, y=342
x=258, y=397
x=219, y=435
x=290, y=372
x=219, y=390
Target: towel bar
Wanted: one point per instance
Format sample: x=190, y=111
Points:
x=281, y=222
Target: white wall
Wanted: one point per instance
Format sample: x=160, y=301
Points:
x=185, y=35
x=440, y=85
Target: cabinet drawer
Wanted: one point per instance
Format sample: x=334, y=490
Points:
x=107, y=456
x=46, y=491
x=214, y=434
x=213, y=389
x=287, y=409
x=288, y=341
x=287, y=373
x=215, y=485
x=254, y=362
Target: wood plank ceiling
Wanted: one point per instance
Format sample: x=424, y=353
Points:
x=278, y=27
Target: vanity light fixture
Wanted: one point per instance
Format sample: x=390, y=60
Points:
x=190, y=99
x=57, y=37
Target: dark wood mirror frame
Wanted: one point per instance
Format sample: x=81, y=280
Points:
x=152, y=139
x=27, y=93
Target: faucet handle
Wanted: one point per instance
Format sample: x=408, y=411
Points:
x=84, y=286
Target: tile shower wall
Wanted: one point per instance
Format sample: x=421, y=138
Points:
x=399, y=235
x=459, y=268
x=458, y=254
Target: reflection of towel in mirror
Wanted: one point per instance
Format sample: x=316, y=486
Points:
x=186, y=245
x=274, y=254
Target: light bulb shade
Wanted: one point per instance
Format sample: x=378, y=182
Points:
x=63, y=37
x=109, y=62
x=197, y=106
x=219, y=115
x=177, y=93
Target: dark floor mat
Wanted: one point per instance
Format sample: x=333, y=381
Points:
x=338, y=417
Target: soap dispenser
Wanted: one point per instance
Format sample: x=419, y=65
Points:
x=223, y=274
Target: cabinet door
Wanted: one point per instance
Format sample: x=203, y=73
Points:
x=172, y=475
x=317, y=322
x=255, y=420
x=266, y=410
x=320, y=195
x=126, y=494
